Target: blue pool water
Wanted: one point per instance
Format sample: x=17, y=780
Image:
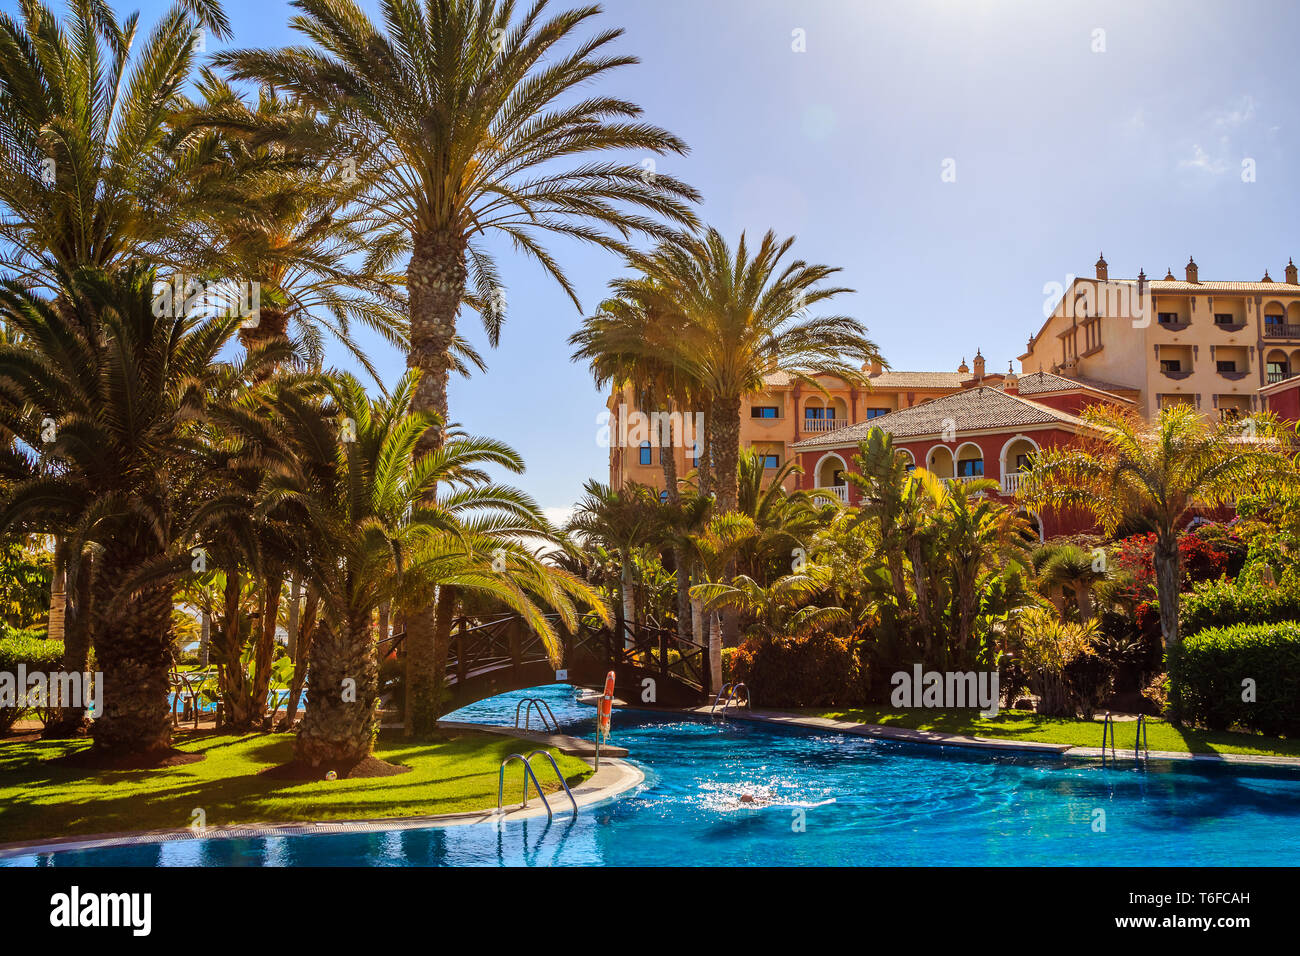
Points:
x=861, y=802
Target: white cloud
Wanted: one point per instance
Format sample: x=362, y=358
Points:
x=1202, y=161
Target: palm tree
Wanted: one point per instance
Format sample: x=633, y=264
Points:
x=625, y=519
x=1127, y=472
x=461, y=122
x=371, y=536
x=784, y=608
x=309, y=248
x=881, y=480
x=715, y=550
x=122, y=393
x=741, y=318
x=94, y=173
x=1070, y=567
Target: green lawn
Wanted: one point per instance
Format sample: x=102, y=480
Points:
x=40, y=800
x=1020, y=725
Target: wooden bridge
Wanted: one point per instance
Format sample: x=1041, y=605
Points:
x=487, y=658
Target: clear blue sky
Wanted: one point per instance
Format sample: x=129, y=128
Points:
x=1059, y=152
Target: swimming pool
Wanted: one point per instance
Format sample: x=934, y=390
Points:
x=826, y=799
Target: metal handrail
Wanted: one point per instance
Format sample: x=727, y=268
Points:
x=1108, y=723
x=556, y=767
x=537, y=703
x=730, y=691
x=1140, y=739
x=528, y=772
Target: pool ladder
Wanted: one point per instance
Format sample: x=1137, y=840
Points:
x=1141, y=751
x=528, y=773
x=536, y=703
x=730, y=692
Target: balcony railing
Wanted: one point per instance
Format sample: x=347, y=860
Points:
x=1011, y=482
x=1281, y=330
x=840, y=491
x=823, y=424
x=1275, y=377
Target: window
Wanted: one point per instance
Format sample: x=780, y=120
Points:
x=877, y=412
x=1167, y=318
x=817, y=412
x=970, y=468
x=771, y=461
x=695, y=454
x=837, y=477
x=663, y=495
x=1278, y=371
x=1273, y=319
x=1224, y=318
x=645, y=453
x=1022, y=462
x=1171, y=365
x=1228, y=366
x=765, y=411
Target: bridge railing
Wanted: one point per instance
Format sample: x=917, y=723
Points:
x=482, y=645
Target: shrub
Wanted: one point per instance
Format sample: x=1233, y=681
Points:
x=36, y=653
x=813, y=671
x=1223, y=604
x=1047, y=647
x=1206, y=674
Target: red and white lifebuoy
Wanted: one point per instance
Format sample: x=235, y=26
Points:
x=605, y=709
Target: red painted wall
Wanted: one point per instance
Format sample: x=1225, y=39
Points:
x=1286, y=403
x=991, y=444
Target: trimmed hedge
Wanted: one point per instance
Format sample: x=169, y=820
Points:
x=814, y=671
x=38, y=654
x=1224, y=604
x=1206, y=672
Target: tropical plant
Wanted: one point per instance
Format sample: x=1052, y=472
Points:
x=106, y=399
x=94, y=173
x=1129, y=473
x=1045, y=647
x=462, y=121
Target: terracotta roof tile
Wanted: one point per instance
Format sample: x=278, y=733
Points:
x=975, y=409
x=1037, y=383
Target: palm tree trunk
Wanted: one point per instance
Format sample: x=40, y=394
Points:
x=1166, y=559
x=306, y=627
x=715, y=654
x=706, y=451
x=266, y=643
x=726, y=446
x=236, y=699
x=72, y=721
x=134, y=652
x=444, y=617
x=435, y=280
x=627, y=589
x=338, y=729
x=55, y=628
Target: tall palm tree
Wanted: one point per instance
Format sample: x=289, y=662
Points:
x=123, y=392
x=317, y=263
x=466, y=120
x=1157, y=475
x=743, y=316
x=94, y=172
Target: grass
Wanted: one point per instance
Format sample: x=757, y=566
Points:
x=1020, y=725
x=40, y=800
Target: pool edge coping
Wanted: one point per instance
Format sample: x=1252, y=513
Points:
x=614, y=778
x=940, y=739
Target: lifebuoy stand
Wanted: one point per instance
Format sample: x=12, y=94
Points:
x=604, y=711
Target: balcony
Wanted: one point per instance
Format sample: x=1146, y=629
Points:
x=1176, y=374
x=1281, y=330
x=823, y=424
x=840, y=491
x=1233, y=375
x=1275, y=377
x=1011, y=483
